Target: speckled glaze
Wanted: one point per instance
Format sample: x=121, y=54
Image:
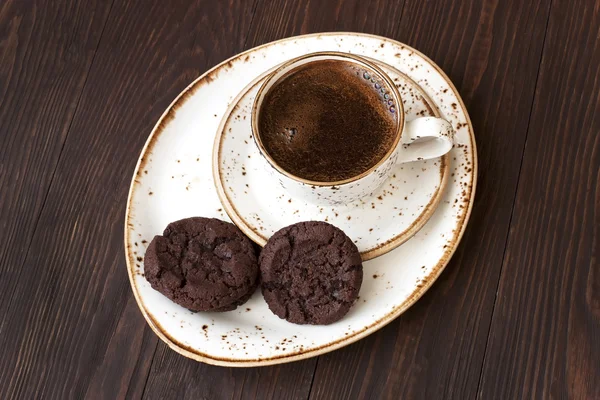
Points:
x=173, y=179
x=261, y=201
x=420, y=139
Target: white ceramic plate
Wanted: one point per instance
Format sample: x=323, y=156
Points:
x=260, y=206
x=173, y=180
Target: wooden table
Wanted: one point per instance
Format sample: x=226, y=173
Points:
x=516, y=314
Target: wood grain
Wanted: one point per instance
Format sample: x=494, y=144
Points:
x=491, y=50
x=277, y=19
x=545, y=335
x=125, y=365
x=45, y=54
x=72, y=330
x=176, y=377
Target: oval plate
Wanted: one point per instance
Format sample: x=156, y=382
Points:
x=173, y=180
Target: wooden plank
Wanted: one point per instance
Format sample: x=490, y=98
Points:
x=73, y=330
x=545, y=334
x=491, y=50
x=175, y=376
x=45, y=55
x=124, y=368
x=277, y=19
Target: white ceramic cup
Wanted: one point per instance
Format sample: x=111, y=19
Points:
x=419, y=139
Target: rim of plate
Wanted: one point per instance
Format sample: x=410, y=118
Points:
x=382, y=248
x=334, y=345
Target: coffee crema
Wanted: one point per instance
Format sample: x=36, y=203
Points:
x=328, y=120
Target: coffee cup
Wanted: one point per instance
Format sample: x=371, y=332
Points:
x=331, y=127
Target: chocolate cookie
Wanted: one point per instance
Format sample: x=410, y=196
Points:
x=311, y=273
x=202, y=264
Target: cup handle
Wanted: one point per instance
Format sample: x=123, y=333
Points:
x=425, y=138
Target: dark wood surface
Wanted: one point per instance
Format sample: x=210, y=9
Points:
x=516, y=314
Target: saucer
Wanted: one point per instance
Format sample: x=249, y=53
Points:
x=260, y=206
x=173, y=179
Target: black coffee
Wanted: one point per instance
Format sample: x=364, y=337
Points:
x=328, y=121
